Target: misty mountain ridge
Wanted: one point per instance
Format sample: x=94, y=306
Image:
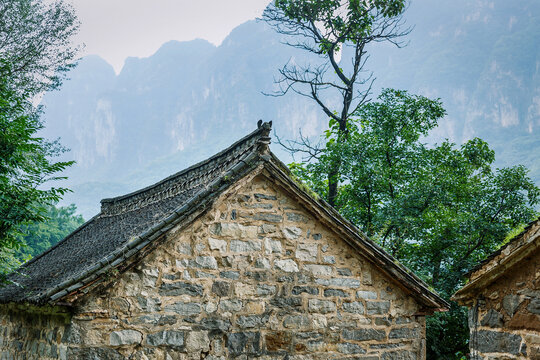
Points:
x=192, y=99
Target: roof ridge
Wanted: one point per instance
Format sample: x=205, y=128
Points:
x=261, y=134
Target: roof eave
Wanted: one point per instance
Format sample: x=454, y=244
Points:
x=418, y=288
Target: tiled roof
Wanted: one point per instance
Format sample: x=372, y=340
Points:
x=121, y=222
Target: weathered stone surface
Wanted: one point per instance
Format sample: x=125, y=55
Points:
x=377, y=307
x=403, y=333
x=335, y=292
x=354, y=307
x=233, y=275
x=295, y=217
x=321, y=306
x=167, y=337
x=319, y=270
x=341, y=282
x=292, y=232
x=245, y=246
x=367, y=295
x=363, y=334
x=497, y=342
x=286, y=265
x=492, y=319
x=183, y=308
x=216, y=244
x=234, y=230
x=399, y=355
x=125, y=337
x=180, y=288
x=266, y=290
x=297, y=290
x=260, y=196
x=230, y=305
x=307, y=252
x=197, y=341
x=296, y=321
x=206, y=262
x=511, y=303
x=534, y=306
x=221, y=288
x=252, y=321
x=349, y=348
x=244, y=343
x=272, y=246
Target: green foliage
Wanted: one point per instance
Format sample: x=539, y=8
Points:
x=35, y=50
x=438, y=209
x=39, y=236
x=26, y=164
x=35, y=38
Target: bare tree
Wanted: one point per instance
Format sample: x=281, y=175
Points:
x=329, y=29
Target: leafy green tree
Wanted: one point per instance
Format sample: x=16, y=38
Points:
x=40, y=236
x=35, y=53
x=26, y=164
x=330, y=29
x=35, y=39
x=438, y=209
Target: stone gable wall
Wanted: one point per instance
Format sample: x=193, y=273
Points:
x=257, y=277
x=505, y=318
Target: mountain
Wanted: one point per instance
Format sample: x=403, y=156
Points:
x=190, y=99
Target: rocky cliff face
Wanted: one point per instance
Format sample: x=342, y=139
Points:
x=161, y=113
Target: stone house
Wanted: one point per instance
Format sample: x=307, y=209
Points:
x=228, y=259
x=503, y=296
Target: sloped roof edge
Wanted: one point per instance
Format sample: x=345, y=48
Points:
x=518, y=248
x=381, y=259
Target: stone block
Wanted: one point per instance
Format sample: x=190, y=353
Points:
x=180, y=288
x=206, y=262
x=492, y=319
x=366, y=295
x=335, y=292
x=287, y=265
x=296, y=321
x=321, y=306
x=221, y=288
x=244, y=343
x=511, y=303
x=266, y=290
x=349, y=348
x=186, y=309
x=252, y=321
x=377, y=307
x=339, y=282
x=197, y=341
x=363, y=334
x=231, y=305
x=404, y=333
x=306, y=252
x=319, y=270
x=216, y=244
x=497, y=342
x=355, y=307
x=240, y=246
x=272, y=246
x=167, y=337
x=292, y=232
x=125, y=337
x=297, y=290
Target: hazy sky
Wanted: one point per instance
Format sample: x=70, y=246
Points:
x=116, y=29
